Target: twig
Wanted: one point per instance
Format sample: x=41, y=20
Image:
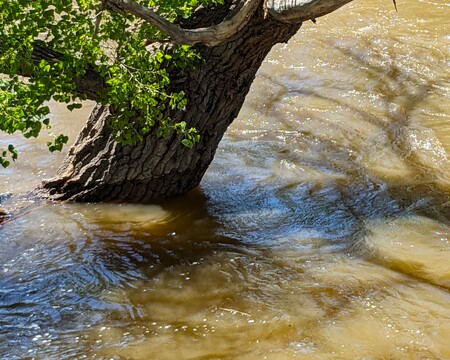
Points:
x=98, y=19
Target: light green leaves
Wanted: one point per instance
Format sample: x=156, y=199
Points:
x=57, y=143
x=12, y=152
x=190, y=135
x=87, y=36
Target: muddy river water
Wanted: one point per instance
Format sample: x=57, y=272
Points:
x=321, y=230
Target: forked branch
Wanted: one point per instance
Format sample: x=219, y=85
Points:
x=290, y=11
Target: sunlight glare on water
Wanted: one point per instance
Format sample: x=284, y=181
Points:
x=321, y=230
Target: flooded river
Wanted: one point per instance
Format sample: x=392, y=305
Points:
x=321, y=230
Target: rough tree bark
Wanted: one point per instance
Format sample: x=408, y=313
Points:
x=97, y=168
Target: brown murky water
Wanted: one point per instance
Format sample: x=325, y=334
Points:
x=321, y=230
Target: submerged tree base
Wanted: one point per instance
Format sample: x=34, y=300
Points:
x=98, y=168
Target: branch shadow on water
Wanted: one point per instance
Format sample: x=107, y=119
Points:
x=402, y=93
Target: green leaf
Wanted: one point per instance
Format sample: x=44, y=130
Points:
x=188, y=143
x=73, y=106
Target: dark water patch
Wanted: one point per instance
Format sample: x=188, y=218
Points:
x=254, y=204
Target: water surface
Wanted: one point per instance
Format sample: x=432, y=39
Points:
x=321, y=230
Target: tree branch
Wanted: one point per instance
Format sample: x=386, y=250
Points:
x=90, y=84
x=302, y=10
x=209, y=36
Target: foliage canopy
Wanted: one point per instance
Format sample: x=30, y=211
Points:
x=87, y=36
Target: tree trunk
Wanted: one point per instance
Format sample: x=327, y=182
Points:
x=97, y=168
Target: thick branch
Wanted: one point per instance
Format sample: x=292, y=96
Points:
x=90, y=84
x=302, y=10
x=209, y=36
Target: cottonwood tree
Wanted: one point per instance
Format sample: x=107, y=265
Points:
x=168, y=76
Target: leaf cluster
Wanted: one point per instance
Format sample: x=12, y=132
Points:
x=89, y=36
